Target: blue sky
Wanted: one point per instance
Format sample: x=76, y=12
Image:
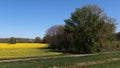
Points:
x=31, y=18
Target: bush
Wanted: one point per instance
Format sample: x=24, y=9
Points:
x=12, y=40
x=37, y=40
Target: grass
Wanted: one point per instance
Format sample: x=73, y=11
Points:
x=115, y=64
x=68, y=62
x=22, y=50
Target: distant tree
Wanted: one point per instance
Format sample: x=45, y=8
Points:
x=37, y=40
x=12, y=40
x=24, y=40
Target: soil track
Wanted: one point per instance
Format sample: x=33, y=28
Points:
x=23, y=59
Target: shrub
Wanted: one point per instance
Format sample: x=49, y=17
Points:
x=12, y=40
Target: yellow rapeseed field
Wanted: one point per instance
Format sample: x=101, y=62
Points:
x=23, y=45
x=23, y=50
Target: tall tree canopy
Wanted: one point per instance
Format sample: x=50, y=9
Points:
x=89, y=25
x=86, y=31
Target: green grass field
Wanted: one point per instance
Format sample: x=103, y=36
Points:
x=68, y=62
x=23, y=50
x=115, y=64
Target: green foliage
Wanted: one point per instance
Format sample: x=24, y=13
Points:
x=117, y=35
x=37, y=40
x=54, y=35
x=44, y=40
x=12, y=40
x=89, y=25
x=86, y=31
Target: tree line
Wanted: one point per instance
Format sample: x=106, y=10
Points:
x=13, y=40
x=87, y=30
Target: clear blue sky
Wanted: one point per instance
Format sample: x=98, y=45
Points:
x=31, y=18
